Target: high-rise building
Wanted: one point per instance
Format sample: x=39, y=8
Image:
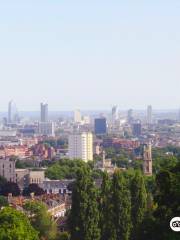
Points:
x=46, y=128
x=44, y=112
x=147, y=160
x=149, y=115
x=130, y=116
x=100, y=126
x=12, y=112
x=77, y=116
x=137, y=129
x=81, y=146
x=114, y=113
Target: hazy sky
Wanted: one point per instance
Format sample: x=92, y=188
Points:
x=90, y=54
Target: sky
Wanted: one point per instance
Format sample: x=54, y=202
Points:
x=90, y=54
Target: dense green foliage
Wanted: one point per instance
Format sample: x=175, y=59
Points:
x=138, y=202
x=106, y=210
x=64, y=169
x=131, y=206
x=121, y=201
x=84, y=218
x=41, y=220
x=33, y=188
x=63, y=236
x=59, y=143
x=2, y=182
x=23, y=164
x=14, y=225
x=3, y=202
x=10, y=187
x=67, y=169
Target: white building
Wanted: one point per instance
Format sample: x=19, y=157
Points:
x=46, y=128
x=81, y=146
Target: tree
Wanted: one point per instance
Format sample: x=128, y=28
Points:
x=33, y=188
x=121, y=201
x=63, y=236
x=10, y=187
x=14, y=225
x=3, y=202
x=106, y=208
x=40, y=219
x=64, y=168
x=167, y=198
x=84, y=217
x=138, y=202
x=2, y=182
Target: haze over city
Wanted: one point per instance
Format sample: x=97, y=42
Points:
x=90, y=54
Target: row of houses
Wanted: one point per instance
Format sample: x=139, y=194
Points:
x=24, y=177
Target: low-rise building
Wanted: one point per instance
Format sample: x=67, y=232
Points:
x=36, y=177
x=7, y=169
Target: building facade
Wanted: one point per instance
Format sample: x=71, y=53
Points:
x=149, y=115
x=44, y=112
x=100, y=126
x=46, y=128
x=81, y=146
x=7, y=169
x=77, y=116
x=147, y=160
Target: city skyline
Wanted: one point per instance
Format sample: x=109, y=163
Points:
x=90, y=55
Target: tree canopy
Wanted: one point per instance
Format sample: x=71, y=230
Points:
x=14, y=225
x=40, y=219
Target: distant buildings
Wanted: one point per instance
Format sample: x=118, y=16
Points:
x=106, y=165
x=114, y=114
x=100, y=126
x=17, y=151
x=120, y=143
x=149, y=115
x=56, y=186
x=81, y=146
x=130, y=116
x=77, y=116
x=46, y=128
x=12, y=113
x=44, y=112
x=137, y=129
x=24, y=177
x=147, y=160
x=7, y=169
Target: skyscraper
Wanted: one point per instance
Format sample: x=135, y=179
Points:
x=77, y=116
x=100, y=126
x=130, y=116
x=147, y=160
x=44, y=112
x=149, y=115
x=114, y=113
x=137, y=129
x=80, y=146
x=12, y=112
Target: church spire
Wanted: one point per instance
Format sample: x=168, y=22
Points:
x=147, y=160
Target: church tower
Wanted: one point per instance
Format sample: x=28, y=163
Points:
x=147, y=160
